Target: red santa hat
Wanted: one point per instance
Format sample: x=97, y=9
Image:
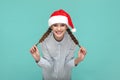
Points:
x=60, y=16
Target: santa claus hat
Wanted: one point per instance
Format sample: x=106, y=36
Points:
x=60, y=16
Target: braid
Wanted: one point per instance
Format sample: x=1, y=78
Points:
x=73, y=37
x=48, y=32
x=44, y=36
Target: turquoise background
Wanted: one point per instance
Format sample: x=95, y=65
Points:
x=23, y=22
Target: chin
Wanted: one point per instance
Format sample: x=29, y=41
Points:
x=59, y=36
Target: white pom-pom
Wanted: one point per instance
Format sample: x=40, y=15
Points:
x=73, y=30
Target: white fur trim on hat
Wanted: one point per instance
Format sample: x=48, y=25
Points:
x=57, y=19
x=73, y=30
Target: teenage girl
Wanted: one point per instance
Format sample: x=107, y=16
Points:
x=58, y=45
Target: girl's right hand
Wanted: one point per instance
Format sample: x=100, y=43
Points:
x=35, y=53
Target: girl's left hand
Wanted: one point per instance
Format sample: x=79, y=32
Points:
x=82, y=53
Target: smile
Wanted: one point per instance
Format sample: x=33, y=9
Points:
x=59, y=32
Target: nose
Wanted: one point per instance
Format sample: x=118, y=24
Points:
x=59, y=27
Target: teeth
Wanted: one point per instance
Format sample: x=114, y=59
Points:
x=58, y=32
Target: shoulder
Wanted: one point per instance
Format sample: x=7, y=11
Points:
x=47, y=38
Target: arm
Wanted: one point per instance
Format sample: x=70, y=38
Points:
x=41, y=61
x=45, y=60
x=71, y=61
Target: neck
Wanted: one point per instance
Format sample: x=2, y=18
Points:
x=58, y=38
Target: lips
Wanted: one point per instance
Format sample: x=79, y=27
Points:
x=58, y=32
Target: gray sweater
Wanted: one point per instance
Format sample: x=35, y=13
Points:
x=58, y=58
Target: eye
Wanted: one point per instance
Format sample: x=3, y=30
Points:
x=63, y=25
x=55, y=25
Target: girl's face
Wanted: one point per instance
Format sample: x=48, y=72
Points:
x=59, y=30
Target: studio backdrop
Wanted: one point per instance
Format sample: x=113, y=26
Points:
x=23, y=22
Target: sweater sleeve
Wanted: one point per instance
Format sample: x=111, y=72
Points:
x=69, y=61
x=45, y=61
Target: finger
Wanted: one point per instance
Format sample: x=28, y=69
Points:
x=81, y=48
x=31, y=51
x=35, y=47
x=83, y=51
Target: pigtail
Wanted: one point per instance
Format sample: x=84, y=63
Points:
x=44, y=36
x=73, y=37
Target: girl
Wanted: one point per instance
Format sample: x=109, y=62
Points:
x=58, y=45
